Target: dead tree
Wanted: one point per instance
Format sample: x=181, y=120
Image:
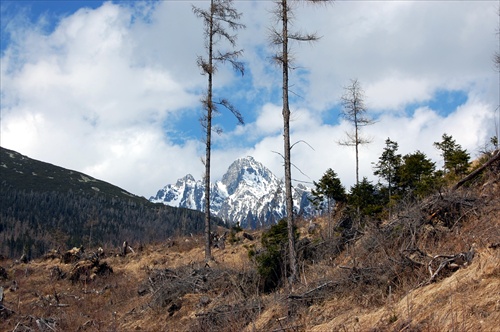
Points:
x=220, y=17
x=354, y=111
x=280, y=37
x=124, y=248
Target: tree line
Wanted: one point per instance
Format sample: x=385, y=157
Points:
x=400, y=177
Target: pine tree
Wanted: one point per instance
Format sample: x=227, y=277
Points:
x=327, y=191
x=387, y=167
x=416, y=174
x=364, y=199
x=456, y=159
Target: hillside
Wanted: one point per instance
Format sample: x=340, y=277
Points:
x=43, y=206
x=432, y=267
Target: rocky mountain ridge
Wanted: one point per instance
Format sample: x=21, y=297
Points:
x=249, y=194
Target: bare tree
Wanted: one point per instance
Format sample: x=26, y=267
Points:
x=280, y=37
x=218, y=20
x=496, y=57
x=354, y=111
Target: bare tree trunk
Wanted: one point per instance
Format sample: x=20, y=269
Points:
x=287, y=152
x=353, y=111
x=221, y=14
x=357, y=154
x=208, y=252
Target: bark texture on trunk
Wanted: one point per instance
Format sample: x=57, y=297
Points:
x=287, y=148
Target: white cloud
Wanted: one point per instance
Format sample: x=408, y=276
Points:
x=393, y=93
x=269, y=120
x=82, y=100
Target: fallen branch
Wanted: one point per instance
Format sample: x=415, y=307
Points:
x=413, y=260
x=42, y=323
x=5, y=312
x=59, y=305
x=458, y=260
x=295, y=297
x=494, y=245
x=494, y=158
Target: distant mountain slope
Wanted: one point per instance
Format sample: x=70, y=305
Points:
x=25, y=173
x=249, y=193
x=43, y=206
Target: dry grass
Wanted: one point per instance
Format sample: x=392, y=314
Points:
x=466, y=301
x=366, y=285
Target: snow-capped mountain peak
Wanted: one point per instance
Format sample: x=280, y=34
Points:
x=249, y=193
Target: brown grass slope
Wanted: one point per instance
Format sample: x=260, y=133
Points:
x=379, y=279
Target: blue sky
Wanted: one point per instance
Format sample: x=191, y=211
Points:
x=112, y=88
x=50, y=12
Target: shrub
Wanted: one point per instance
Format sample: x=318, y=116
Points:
x=233, y=237
x=271, y=261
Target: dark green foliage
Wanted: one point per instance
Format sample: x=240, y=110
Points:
x=44, y=207
x=494, y=142
x=236, y=228
x=365, y=199
x=23, y=173
x=456, y=159
x=271, y=262
x=388, y=166
x=328, y=190
x=417, y=174
x=233, y=234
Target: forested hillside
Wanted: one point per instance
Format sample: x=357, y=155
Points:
x=44, y=207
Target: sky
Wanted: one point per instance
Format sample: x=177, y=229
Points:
x=112, y=89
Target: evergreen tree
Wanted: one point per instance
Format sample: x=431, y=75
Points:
x=416, y=174
x=364, y=198
x=388, y=166
x=328, y=190
x=456, y=159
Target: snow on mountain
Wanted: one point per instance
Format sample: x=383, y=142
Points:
x=249, y=193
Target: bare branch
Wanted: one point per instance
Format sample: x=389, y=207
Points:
x=302, y=141
x=220, y=18
x=304, y=37
x=298, y=169
x=230, y=107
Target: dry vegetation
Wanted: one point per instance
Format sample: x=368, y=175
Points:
x=433, y=267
